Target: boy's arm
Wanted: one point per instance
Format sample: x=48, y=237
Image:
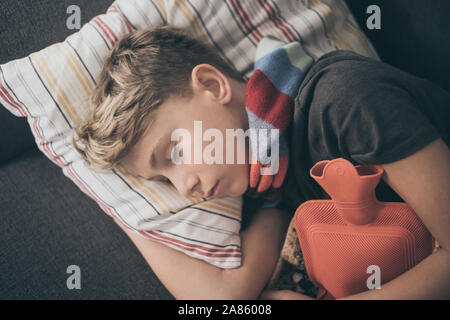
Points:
x=189, y=278
x=423, y=181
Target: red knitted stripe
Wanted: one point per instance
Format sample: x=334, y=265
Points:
x=266, y=102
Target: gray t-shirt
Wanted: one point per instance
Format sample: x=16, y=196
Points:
x=365, y=111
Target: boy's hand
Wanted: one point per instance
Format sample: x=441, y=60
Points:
x=283, y=295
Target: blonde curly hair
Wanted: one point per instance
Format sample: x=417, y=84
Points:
x=140, y=72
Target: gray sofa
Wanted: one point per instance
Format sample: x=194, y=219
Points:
x=48, y=224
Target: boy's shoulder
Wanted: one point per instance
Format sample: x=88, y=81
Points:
x=344, y=66
x=348, y=69
x=340, y=55
x=348, y=76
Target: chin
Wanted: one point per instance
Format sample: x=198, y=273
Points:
x=239, y=189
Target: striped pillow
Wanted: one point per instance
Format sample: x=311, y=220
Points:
x=51, y=88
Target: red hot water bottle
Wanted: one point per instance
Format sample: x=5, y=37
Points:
x=346, y=240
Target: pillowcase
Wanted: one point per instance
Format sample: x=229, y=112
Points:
x=51, y=89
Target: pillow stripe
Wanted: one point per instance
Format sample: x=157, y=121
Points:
x=49, y=93
x=44, y=144
x=129, y=24
x=17, y=109
x=203, y=247
x=229, y=260
x=216, y=205
x=246, y=22
x=240, y=27
x=77, y=68
x=70, y=173
x=160, y=203
x=221, y=24
x=6, y=96
x=85, y=68
x=86, y=51
x=113, y=9
x=102, y=36
x=276, y=21
x=106, y=31
x=52, y=85
x=209, y=243
x=215, y=213
x=191, y=222
x=34, y=123
x=289, y=27
x=159, y=6
x=142, y=14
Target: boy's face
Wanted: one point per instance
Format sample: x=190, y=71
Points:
x=218, y=104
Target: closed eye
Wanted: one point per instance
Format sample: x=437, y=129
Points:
x=160, y=178
x=175, y=154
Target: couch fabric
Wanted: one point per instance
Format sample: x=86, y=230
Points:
x=47, y=225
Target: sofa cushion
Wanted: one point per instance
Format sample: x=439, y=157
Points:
x=413, y=36
x=47, y=225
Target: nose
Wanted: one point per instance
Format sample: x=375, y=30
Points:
x=187, y=185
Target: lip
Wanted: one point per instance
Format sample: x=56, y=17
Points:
x=213, y=191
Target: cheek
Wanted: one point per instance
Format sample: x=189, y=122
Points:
x=238, y=179
x=237, y=175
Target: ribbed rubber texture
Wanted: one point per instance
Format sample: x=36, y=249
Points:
x=337, y=253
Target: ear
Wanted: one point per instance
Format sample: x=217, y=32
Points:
x=212, y=82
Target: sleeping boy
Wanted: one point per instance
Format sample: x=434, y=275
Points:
x=159, y=86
